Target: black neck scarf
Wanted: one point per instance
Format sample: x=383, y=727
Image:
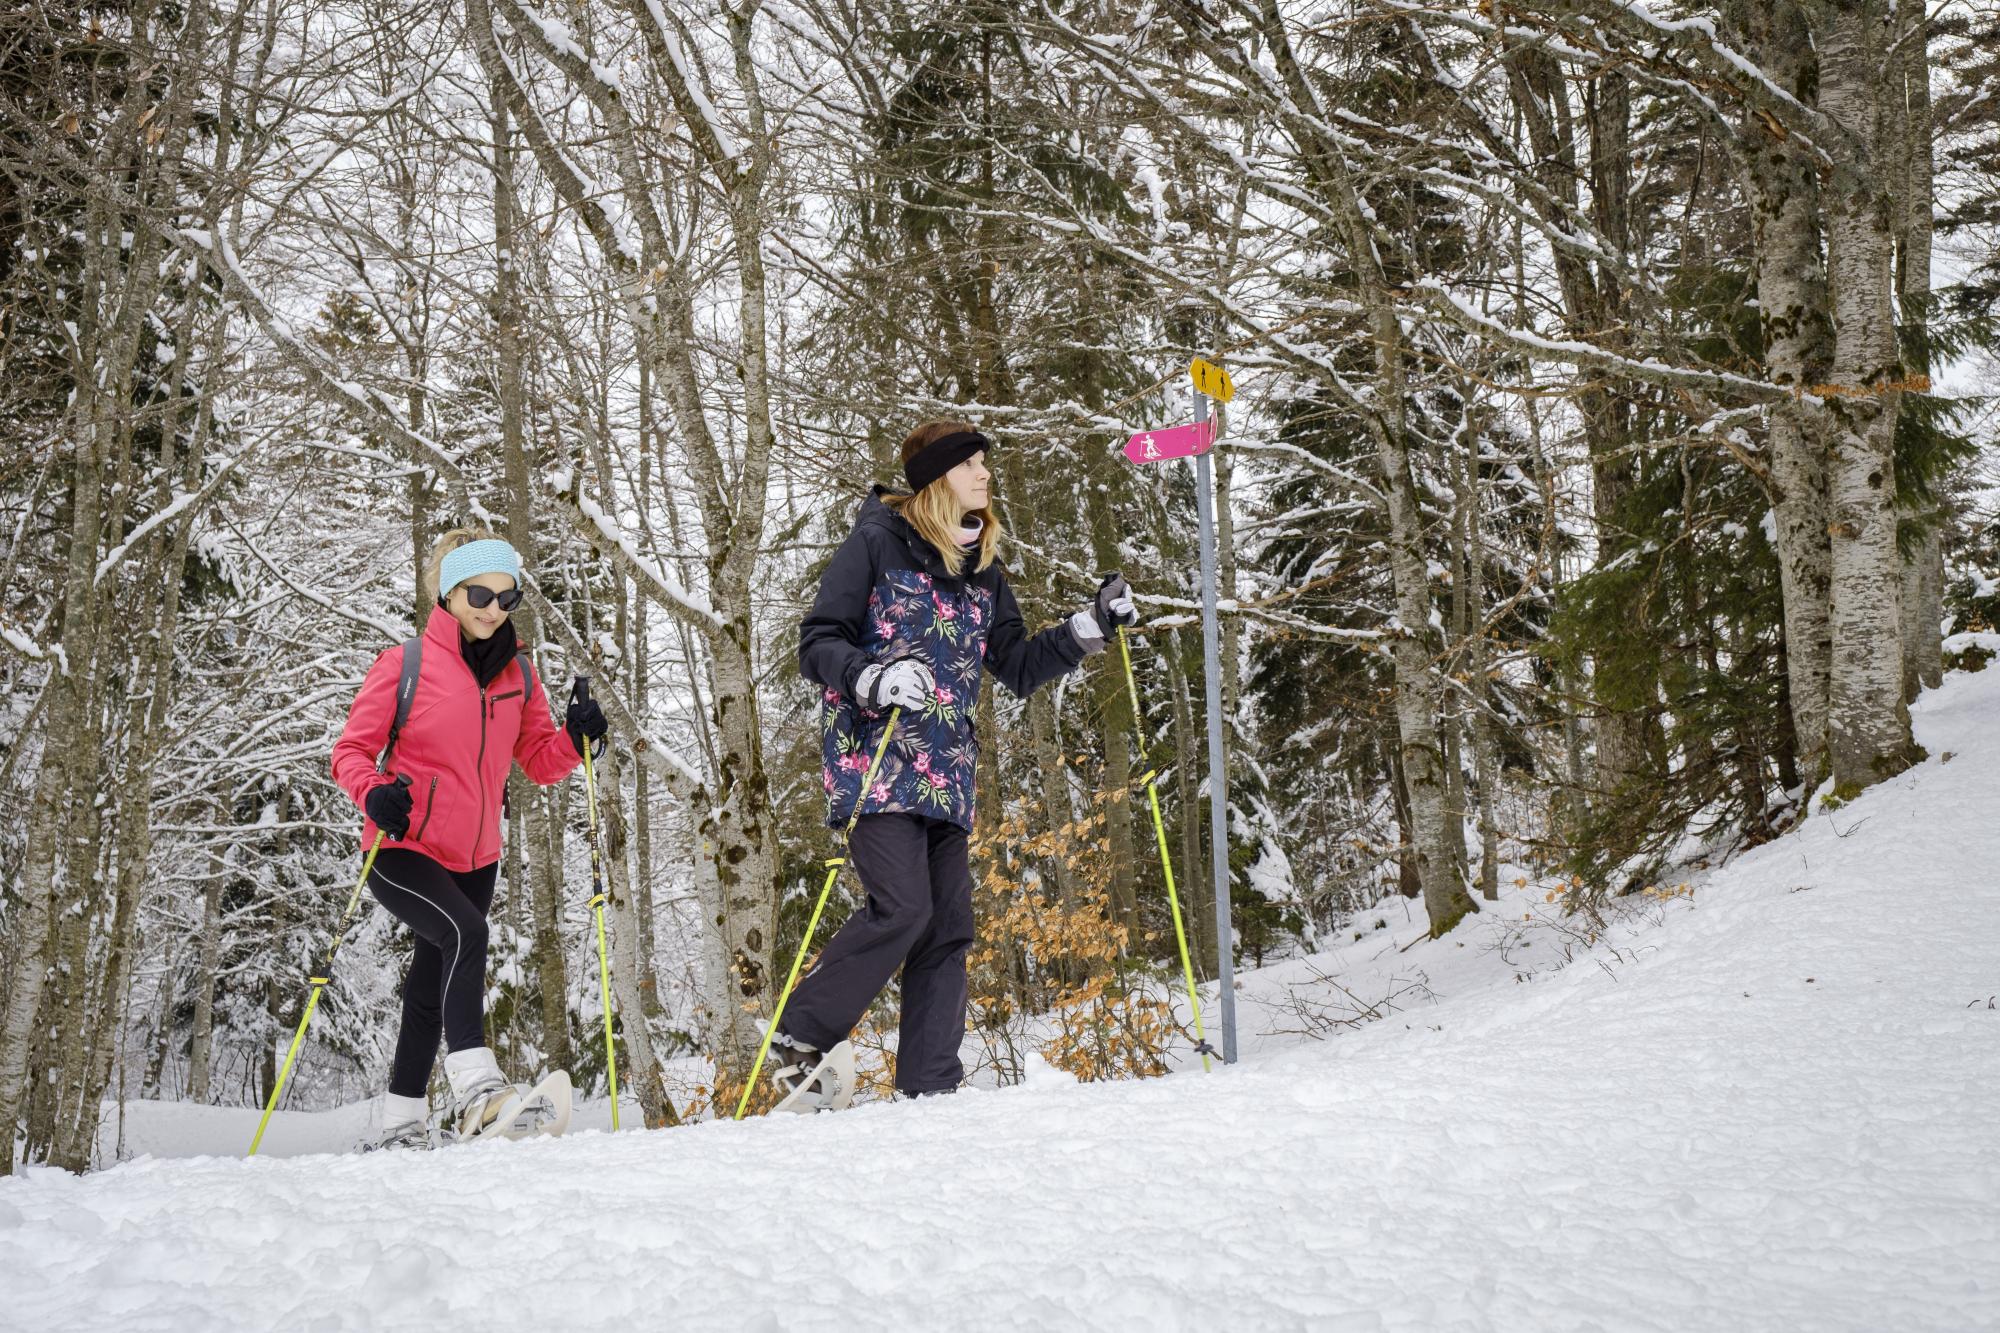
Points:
x=488, y=657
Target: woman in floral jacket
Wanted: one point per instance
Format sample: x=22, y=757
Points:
x=912, y=610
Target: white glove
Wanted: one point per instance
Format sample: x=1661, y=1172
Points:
x=1093, y=625
x=904, y=684
x=1114, y=604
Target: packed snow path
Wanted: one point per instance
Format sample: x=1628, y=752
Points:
x=1774, y=1109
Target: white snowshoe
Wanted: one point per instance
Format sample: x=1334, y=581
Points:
x=409, y=1136
x=524, y=1112
x=812, y=1081
x=405, y=1126
x=483, y=1103
x=544, y=1108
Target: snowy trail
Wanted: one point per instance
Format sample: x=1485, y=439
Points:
x=1773, y=1111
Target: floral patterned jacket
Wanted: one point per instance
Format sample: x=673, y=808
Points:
x=885, y=597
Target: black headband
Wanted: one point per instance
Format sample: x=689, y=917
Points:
x=942, y=455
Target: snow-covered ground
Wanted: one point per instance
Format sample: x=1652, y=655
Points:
x=1771, y=1105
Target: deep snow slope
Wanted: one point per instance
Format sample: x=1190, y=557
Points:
x=1775, y=1105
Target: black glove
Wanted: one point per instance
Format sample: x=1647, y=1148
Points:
x=585, y=720
x=389, y=806
x=1114, y=605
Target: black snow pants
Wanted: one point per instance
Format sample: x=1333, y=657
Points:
x=918, y=917
x=445, y=988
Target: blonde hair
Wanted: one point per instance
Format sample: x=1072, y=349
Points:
x=934, y=511
x=444, y=546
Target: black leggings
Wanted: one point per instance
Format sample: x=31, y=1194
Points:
x=445, y=989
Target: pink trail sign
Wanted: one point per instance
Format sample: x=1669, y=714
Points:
x=1153, y=446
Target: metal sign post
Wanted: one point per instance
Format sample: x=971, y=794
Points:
x=1218, y=784
x=1196, y=441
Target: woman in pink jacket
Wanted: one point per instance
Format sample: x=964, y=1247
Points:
x=476, y=711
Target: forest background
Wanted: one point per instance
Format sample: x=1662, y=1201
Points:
x=1609, y=468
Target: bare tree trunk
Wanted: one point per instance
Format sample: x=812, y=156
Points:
x=1454, y=713
x=1783, y=190
x=1485, y=732
x=1923, y=569
x=1868, y=726
x=1225, y=577
x=1051, y=788
x=1408, y=882
x=642, y=1067
x=204, y=992
x=545, y=869
x=162, y=1034
x=516, y=913
x=1198, y=882
x=1111, y=702
x=1541, y=94
x=1413, y=648
x=31, y=940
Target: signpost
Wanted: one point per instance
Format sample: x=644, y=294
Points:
x=1195, y=441
x=1212, y=380
x=1153, y=446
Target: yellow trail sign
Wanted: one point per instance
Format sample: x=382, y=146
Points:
x=1212, y=380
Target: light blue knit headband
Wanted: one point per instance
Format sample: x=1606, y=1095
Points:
x=490, y=556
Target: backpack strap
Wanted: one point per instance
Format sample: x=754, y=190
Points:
x=406, y=691
x=527, y=677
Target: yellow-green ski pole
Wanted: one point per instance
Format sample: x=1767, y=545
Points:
x=1166, y=860
x=805, y=944
x=319, y=983
x=597, y=904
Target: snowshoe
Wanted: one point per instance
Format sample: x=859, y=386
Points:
x=410, y=1136
x=482, y=1101
x=524, y=1112
x=544, y=1108
x=486, y=1111
x=809, y=1080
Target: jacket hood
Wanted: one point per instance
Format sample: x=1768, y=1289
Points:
x=874, y=511
x=876, y=514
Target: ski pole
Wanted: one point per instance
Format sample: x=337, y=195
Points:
x=832, y=872
x=319, y=983
x=1166, y=860
x=582, y=691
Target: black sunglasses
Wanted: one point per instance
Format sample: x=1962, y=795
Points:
x=482, y=597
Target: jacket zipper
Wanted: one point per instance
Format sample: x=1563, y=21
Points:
x=479, y=773
x=430, y=804
x=493, y=709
